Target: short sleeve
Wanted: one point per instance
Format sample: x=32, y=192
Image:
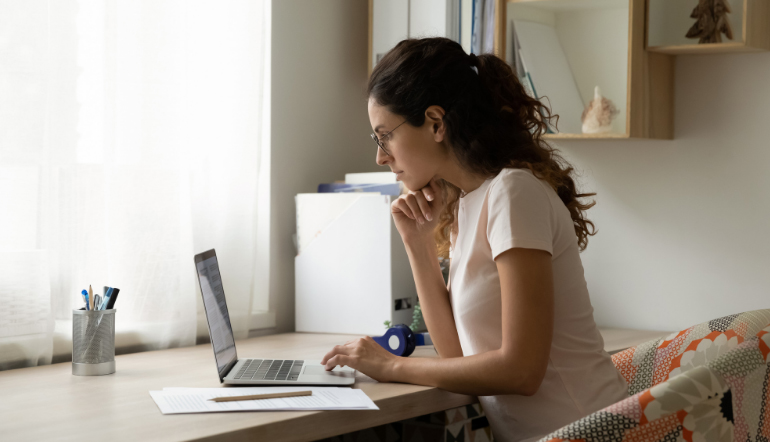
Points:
x=520, y=213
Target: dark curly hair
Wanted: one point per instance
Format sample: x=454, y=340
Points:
x=491, y=122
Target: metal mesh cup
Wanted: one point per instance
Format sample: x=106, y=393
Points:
x=93, y=342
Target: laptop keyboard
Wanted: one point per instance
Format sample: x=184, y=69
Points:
x=270, y=370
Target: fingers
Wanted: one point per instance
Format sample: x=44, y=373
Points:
x=420, y=206
x=337, y=350
x=414, y=206
x=438, y=194
x=435, y=188
x=341, y=360
x=428, y=191
x=400, y=205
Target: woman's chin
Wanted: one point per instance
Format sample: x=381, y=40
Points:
x=413, y=185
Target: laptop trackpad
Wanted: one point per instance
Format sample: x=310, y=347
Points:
x=321, y=370
x=316, y=370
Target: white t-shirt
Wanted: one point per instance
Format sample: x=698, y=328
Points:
x=516, y=209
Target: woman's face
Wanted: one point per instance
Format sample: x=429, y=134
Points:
x=414, y=152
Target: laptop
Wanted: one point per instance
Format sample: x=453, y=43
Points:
x=255, y=371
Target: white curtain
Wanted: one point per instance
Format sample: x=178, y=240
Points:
x=133, y=134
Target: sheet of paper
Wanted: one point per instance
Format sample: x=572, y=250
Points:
x=177, y=400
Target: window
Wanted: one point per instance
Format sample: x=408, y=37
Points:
x=134, y=135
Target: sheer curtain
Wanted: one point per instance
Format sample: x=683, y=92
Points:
x=133, y=134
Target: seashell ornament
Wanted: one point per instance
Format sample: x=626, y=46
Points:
x=598, y=115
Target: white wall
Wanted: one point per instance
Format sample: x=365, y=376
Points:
x=683, y=224
x=390, y=25
x=320, y=126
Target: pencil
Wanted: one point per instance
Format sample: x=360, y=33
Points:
x=262, y=396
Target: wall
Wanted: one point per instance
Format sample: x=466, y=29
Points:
x=683, y=224
x=320, y=126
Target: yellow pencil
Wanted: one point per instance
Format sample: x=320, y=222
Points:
x=262, y=396
x=90, y=298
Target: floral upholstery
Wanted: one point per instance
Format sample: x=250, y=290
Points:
x=708, y=383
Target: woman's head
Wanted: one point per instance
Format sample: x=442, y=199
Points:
x=464, y=109
x=415, y=153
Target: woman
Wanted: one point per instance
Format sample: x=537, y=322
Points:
x=514, y=326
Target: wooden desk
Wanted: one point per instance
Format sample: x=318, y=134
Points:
x=49, y=403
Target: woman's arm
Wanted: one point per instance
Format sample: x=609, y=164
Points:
x=517, y=367
x=434, y=299
x=416, y=217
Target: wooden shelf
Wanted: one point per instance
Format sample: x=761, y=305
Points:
x=712, y=48
x=753, y=26
x=650, y=82
x=602, y=136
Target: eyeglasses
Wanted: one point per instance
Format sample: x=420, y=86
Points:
x=380, y=142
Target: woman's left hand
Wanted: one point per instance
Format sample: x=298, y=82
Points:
x=364, y=355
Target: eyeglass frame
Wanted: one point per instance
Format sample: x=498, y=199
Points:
x=380, y=142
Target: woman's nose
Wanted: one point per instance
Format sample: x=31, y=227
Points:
x=381, y=158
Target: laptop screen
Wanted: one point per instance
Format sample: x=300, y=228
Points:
x=218, y=318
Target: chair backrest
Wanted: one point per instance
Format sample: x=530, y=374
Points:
x=656, y=361
x=708, y=383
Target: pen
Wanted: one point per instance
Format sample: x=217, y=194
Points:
x=106, y=299
x=88, y=307
x=113, y=298
x=261, y=396
x=97, y=302
x=84, y=294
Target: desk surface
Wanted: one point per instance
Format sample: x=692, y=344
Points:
x=48, y=402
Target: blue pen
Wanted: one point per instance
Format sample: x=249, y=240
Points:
x=106, y=299
x=85, y=293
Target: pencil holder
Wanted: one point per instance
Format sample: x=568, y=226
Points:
x=93, y=342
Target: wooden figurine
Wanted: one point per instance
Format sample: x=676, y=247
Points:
x=711, y=21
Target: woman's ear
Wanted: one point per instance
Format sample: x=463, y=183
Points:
x=434, y=116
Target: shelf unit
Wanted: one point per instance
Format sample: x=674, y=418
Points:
x=754, y=33
x=649, y=86
x=649, y=83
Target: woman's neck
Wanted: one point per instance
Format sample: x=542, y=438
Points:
x=461, y=177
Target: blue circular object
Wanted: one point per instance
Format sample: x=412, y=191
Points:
x=399, y=340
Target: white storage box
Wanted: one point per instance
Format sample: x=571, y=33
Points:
x=351, y=270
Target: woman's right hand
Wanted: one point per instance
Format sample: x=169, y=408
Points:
x=416, y=213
